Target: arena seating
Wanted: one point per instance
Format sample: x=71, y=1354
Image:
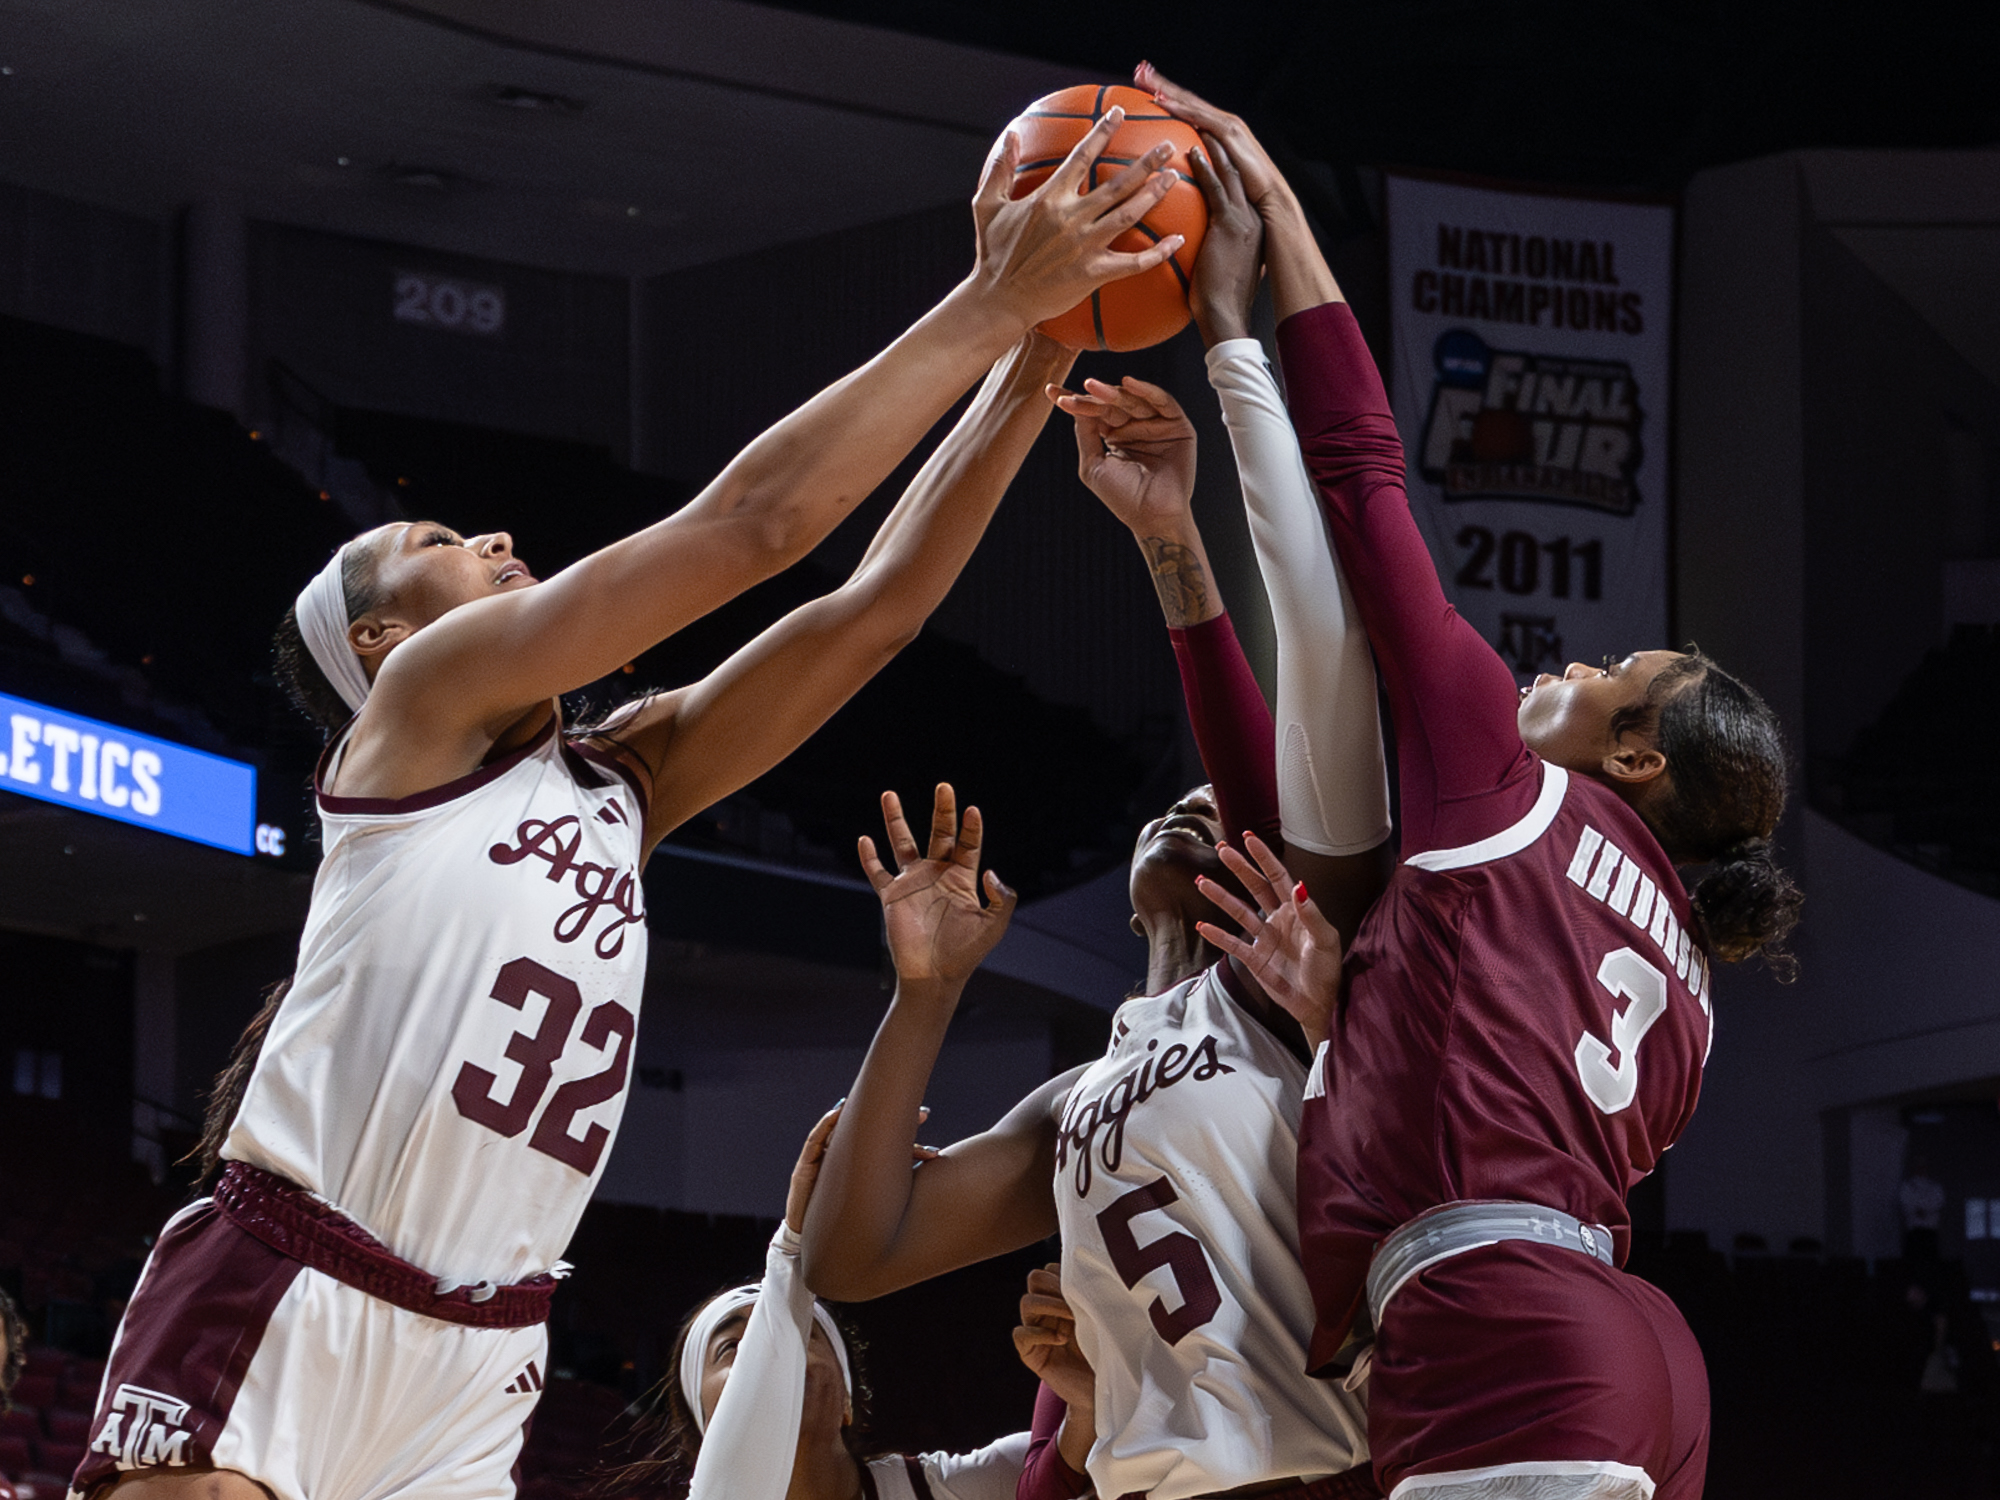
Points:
x=1803, y=1349
x=43, y=1438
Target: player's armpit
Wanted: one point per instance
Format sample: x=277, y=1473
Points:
x=981, y=1197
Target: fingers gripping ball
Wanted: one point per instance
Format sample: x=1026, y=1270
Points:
x=1151, y=307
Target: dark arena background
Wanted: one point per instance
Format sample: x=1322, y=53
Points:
x=276, y=271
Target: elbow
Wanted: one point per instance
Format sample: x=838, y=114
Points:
x=881, y=619
x=773, y=530
x=825, y=1276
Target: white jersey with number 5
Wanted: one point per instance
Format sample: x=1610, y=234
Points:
x=1175, y=1187
x=450, y=1064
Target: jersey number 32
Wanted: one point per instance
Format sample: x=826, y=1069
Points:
x=537, y=1052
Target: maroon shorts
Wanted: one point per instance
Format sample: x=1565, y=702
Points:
x=1518, y=1355
x=263, y=1310
x=1356, y=1484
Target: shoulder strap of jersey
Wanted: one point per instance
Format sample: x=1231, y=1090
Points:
x=1512, y=840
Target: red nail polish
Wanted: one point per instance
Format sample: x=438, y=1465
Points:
x=1299, y=893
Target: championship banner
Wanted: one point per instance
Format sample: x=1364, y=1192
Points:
x=1530, y=380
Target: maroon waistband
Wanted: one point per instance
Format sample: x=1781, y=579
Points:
x=295, y=1223
x=1357, y=1483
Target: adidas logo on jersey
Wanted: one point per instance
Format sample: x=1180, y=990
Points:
x=526, y=1383
x=143, y=1428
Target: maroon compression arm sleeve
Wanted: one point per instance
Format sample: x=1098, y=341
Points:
x=1047, y=1475
x=1464, y=772
x=1232, y=728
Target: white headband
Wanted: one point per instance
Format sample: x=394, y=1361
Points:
x=321, y=610
x=694, y=1352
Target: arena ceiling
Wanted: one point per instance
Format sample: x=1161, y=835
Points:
x=615, y=136
x=635, y=136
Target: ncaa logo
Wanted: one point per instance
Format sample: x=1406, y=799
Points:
x=143, y=1428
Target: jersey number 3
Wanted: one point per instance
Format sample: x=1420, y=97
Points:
x=1180, y=1252
x=1630, y=978
x=537, y=1052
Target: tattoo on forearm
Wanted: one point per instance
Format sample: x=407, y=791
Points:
x=1179, y=577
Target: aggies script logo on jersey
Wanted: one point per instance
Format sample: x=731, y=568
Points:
x=598, y=888
x=1084, y=1118
x=1506, y=425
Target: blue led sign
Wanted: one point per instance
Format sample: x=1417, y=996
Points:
x=114, y=773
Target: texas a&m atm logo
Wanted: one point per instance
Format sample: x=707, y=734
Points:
x=1506, y=425
x=143, y=1428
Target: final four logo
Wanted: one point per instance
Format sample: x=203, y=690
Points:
x=1505, y=425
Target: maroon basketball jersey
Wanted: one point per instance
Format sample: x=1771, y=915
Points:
x=1526, y=1018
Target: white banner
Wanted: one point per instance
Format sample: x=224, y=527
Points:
x=1530, y=379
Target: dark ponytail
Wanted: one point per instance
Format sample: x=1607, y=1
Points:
x=225, y=1095
x=304, y=683
x=1727, y=777
x=1747, y=905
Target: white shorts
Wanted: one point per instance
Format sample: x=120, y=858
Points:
x=234, y=1356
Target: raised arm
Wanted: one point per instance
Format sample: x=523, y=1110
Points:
x=875, y=1224
x=1136, y=453
x=704, y=741
x=1333, y=788
x=1465, y=773
x=470, y=673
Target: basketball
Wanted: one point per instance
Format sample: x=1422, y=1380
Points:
x=1151, y=307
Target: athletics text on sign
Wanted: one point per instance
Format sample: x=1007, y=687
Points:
x=99, y=768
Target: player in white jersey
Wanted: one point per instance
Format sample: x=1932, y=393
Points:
x=357, y=1312
x=1168, y=1164
x=765, y=1400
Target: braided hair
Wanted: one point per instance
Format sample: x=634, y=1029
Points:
x=1725, y=787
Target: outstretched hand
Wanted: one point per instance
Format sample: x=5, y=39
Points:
x=1263, y=183
x=938, y=930
x=1286, y=944
x=1041, y=254
x=1230, y=264
x=1135, y=451
x=805, y=1173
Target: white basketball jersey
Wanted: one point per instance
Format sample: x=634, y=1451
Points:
x=450, y=1065
x=1176, y=1188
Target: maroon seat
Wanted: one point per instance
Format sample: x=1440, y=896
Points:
x=60, y=1458
x=70, y=1426
x=35, y=1388
x=14, y=1455
x=22, y=1421
x=79, y=1389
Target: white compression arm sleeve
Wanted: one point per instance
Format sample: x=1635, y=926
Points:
x=1333, y=785
x=752, y=1440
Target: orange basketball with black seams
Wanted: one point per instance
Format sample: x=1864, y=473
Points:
x=1153, y=306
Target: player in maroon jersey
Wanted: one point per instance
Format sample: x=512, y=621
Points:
x=1526, y=1011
